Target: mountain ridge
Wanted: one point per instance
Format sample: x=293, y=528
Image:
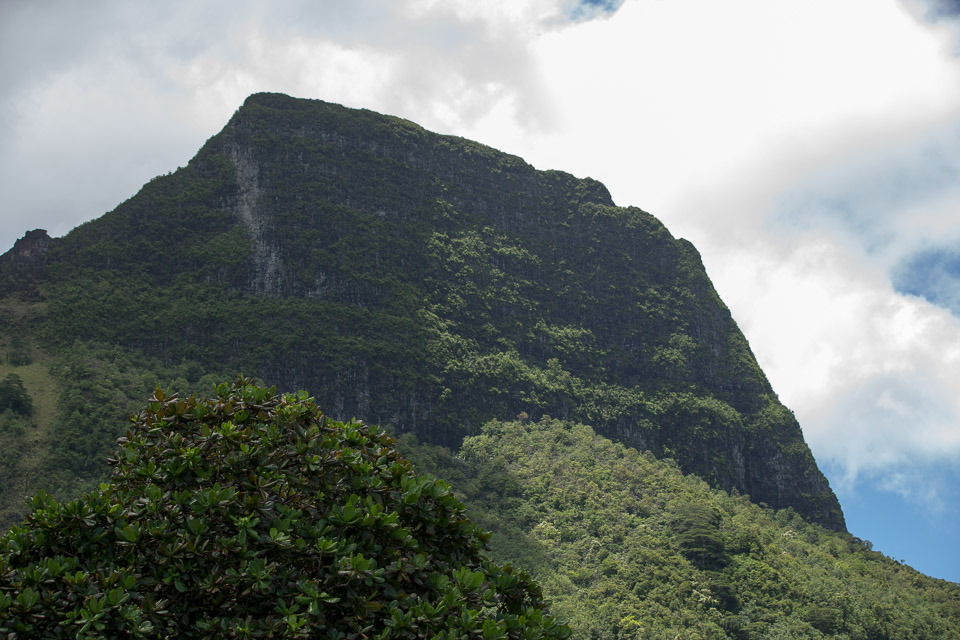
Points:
x=429, y=283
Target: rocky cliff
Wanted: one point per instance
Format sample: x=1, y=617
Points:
x=430, y=283
x=24, y=265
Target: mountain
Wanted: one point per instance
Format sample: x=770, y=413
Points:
x=485, y=312
x=413, y=280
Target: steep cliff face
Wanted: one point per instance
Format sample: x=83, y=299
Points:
x=431, y=283
x=24, y=265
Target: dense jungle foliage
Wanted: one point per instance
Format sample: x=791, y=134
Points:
x=627, y=546
x=252, y=515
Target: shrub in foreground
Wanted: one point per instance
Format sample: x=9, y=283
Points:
x=251, y=514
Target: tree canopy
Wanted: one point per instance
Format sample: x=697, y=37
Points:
x=251, y=514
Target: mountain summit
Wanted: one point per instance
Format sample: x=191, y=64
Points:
x=427, y=283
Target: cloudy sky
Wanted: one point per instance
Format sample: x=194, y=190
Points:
x=809, y=148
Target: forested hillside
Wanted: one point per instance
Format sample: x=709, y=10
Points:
x=627, y=546
x=414, y=280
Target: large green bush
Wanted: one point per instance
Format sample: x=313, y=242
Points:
x=251, y=514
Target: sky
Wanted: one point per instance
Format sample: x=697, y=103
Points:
x=810, y=149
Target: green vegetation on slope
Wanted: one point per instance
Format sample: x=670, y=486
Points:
x=28, y=395
x=81, y=401
x=253, y=515
x=627, y=546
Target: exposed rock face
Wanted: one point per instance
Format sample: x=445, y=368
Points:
x=24, y=265
x=431, y=283
x=265, y=277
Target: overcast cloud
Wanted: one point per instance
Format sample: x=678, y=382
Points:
x=810, y=149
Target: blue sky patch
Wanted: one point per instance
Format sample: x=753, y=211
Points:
x=589, y=9
x=950, y=7
x=943, y=9
x=932, y=274
x=874, y=510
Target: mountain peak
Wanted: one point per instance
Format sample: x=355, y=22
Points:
x=23, y=266
x=432, y=283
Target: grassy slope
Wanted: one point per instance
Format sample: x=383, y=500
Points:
x=24, y=455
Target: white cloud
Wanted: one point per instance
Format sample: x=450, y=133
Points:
x=700, y=96
x=871, y=374
x=60, y=167
x=893, y=202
